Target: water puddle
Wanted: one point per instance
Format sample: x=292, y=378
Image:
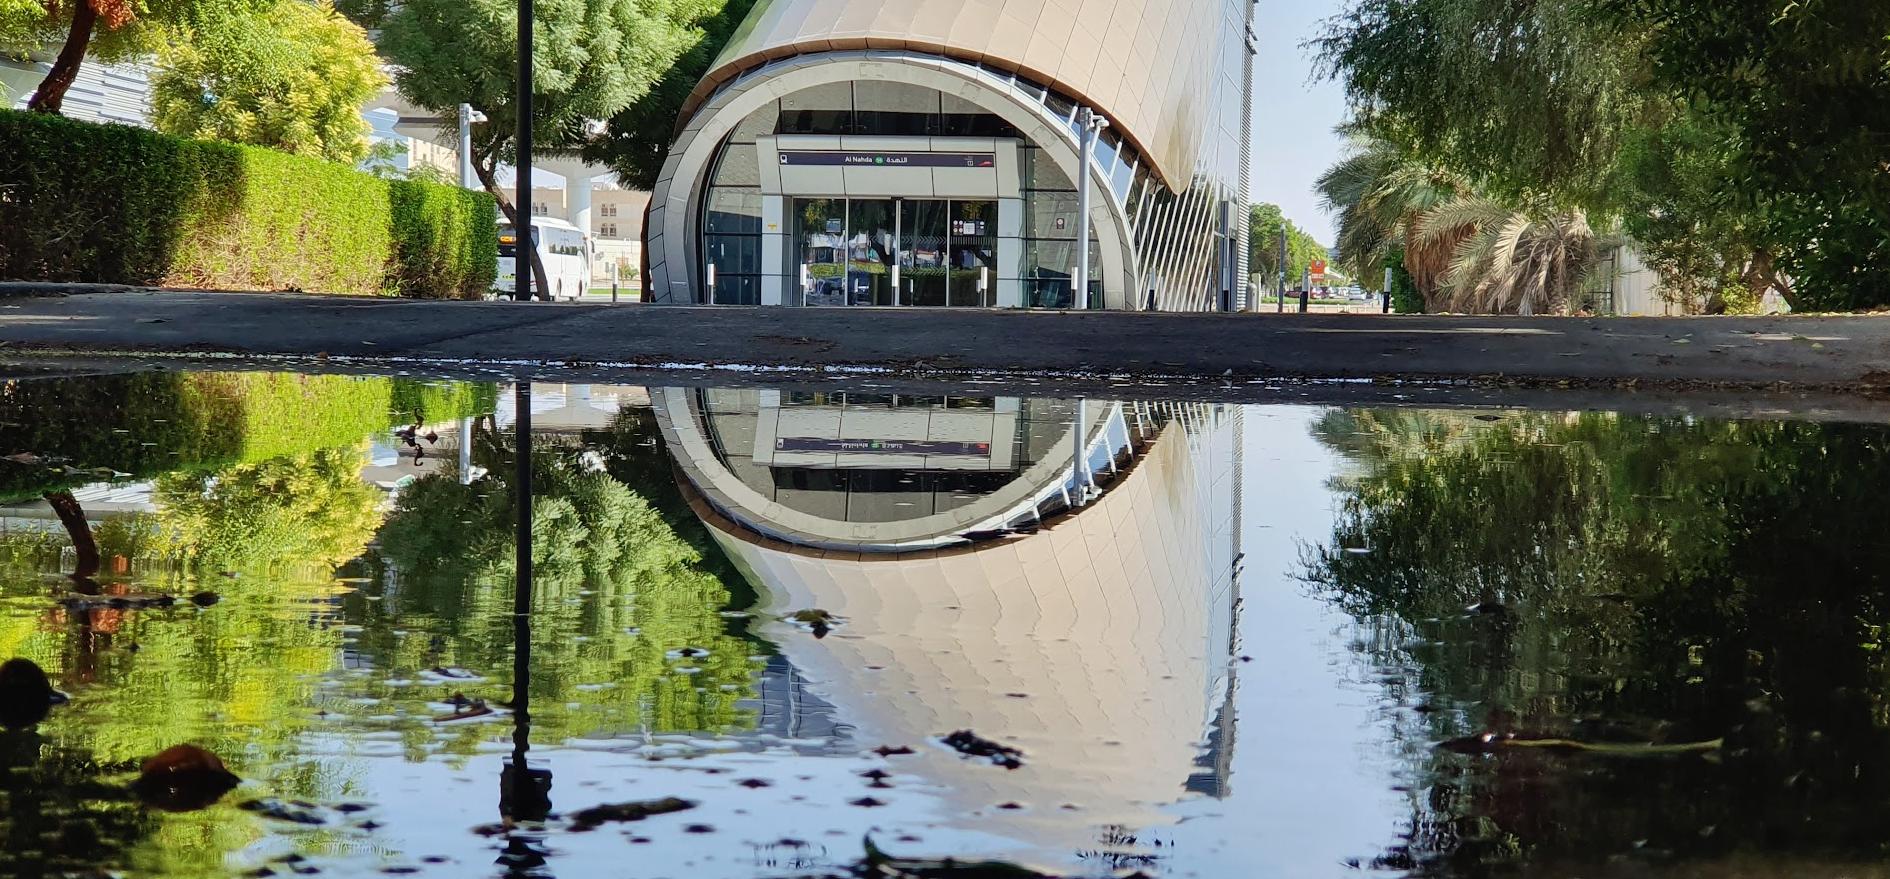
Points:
x=270, y=624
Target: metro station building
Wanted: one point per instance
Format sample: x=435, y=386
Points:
x=924, y=153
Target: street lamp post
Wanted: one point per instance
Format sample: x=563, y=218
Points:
x=522, y=190
x=1089, y=126
x=467, y=118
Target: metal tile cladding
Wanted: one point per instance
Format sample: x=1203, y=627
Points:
x=1156, y=68
x=1172, y=77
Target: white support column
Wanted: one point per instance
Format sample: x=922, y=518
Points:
x=577, y=202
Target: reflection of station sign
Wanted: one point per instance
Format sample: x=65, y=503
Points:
x=888, y=160
x=881, y=446
x=900, y=438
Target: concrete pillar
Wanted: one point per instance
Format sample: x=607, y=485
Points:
x=577, y=202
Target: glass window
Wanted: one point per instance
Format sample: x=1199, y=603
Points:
x=823, y=109
x=739, y=165
x=758, y=123
x=895, y=109
x=1050, y=215
x=1038, y=171
x=733, y=210
x=734, y=254
x=736, y=290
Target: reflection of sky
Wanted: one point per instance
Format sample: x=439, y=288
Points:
x=1312, y=762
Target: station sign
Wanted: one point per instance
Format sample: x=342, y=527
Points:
x=828, y=158
x=881, y=446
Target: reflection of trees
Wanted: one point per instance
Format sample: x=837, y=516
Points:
x=154, y=423
x=617, y=592
x=1666, y=580
x=308, y=509
x=258, y=478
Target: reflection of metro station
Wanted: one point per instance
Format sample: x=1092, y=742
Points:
x=854, y=152
x=1077, y=604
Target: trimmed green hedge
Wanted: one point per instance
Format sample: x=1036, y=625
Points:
x=116, y=204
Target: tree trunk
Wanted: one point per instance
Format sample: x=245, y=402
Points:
x=491, y=182
x=71, y=515
x=51, y=94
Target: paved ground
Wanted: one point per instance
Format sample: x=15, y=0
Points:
x=1841, y=354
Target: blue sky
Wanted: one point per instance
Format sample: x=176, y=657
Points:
x=1293, y=141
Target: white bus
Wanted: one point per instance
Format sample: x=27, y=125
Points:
x=565, y=250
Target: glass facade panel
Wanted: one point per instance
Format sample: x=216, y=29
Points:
x=870, y=255
x=973, y=253
x=825, y=109
x=922, y=252
x=1050, y=215
x=740, y=165
x=895, y=109
x=733, y=211
x=820, y=246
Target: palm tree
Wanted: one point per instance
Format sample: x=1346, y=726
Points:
x=1381, y=195
x=1531, y=259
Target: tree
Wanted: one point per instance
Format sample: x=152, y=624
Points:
x=1263, y=246
x=591, y=59
x=110, y=30
x=1646, y=579
x=1528, y=260
x=1800, y=87
x=1380, y=193
x=291, y=77
x=636, y=141
x=311, y=508
x=1523, y=96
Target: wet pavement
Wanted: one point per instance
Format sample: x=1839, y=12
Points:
x=1842, y=353
x=286, y=628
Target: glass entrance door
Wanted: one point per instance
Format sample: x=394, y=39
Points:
x=972, y=253
x=922, y=252
x=871, y=250
x=820, y=241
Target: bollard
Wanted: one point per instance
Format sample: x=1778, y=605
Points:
x=1305, y=299
x=1387, y=297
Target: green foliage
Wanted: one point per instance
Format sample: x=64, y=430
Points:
x=147, y=208
x=637, y=140
x=1683, y=579
x=308, y=509
x=591, y=59
x=1523, y=96
x=153, y=423
x=615, y=590
x=1800, y=87
x=291, y=77
x=1405, y=298
x=1739, y=143
x=445, y=241
x=1263, y=247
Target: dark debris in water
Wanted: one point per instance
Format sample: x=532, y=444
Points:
x=281, y=810
x=26, y=695
x=184, y=778
x=971, y=744
x=597, y=816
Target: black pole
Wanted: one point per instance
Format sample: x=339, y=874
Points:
x=524, y=793
x=522, y=190
x=1282, y=302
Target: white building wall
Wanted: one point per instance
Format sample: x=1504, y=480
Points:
x=102, y=92
x=1637, y=288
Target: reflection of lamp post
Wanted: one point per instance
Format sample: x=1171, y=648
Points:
x=524, y=793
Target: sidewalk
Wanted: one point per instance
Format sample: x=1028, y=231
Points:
x=1828, y=353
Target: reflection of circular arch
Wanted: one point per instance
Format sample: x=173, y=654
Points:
x=673, y=238
x=1100, y=645
x=1106, y=438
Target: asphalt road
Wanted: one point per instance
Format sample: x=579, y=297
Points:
x=1842, y=354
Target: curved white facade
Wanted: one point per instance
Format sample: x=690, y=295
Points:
x=864, y=153
x=1100, y=644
